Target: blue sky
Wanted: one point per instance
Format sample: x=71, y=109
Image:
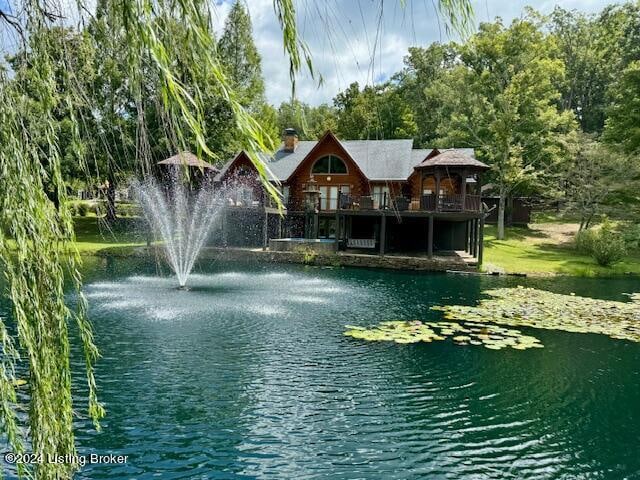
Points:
x=346, y=41
x=342, y=37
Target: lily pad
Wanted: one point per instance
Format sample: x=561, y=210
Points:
x=490, y=336
x=546, y=310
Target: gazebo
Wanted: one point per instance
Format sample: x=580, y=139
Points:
x=198, y=169
x=190, y=160
x=449, y=175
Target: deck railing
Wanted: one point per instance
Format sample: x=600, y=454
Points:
x=372, y=202
x=430, y=203
x=451, y=202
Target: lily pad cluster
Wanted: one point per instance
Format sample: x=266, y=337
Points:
x=541, y=309
x=490, y=336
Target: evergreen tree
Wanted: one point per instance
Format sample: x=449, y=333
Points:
x=240, y=58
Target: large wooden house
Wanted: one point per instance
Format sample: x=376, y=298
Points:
x=371, y=195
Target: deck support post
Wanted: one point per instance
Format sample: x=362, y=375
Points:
x=338, y=233
x=280, y=225
x=476, y=236
x=383, y=233
x=437, y=196
x=472, y=238
x=265, y=231
x=481, y=241
x=464, y=190
x=467, y=236
x=430, y=238
x=474, y=245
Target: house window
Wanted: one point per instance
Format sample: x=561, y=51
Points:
x=329, y=164
x=285, y=194
x=380, y=194
x=329, y=195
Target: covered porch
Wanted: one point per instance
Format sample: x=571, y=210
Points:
x=410, y=233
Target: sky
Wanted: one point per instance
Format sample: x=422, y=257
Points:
x=341, y=35
x=350, y=40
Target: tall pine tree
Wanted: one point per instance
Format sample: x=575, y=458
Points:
x=242, y=64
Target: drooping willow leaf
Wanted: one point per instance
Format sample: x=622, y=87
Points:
x=36, y=230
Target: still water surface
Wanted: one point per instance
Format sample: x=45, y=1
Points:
x=248, y=375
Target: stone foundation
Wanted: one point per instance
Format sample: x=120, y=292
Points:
x=341, y=259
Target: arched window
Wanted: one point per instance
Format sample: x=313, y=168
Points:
x=329, y=164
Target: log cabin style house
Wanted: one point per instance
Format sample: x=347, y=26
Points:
x=375, y=196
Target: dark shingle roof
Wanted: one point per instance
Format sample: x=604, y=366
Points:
x=189, y=159
x=378, y=159
x=455, y=157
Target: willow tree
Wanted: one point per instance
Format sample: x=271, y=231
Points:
x=36, y=229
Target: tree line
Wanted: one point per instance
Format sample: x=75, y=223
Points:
x=550, y=102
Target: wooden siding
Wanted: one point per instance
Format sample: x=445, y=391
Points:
x=243, y=172
x=357, y=182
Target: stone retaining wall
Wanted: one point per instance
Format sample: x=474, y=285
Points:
x=395, y=262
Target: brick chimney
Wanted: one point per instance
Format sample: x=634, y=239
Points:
x=290, y=139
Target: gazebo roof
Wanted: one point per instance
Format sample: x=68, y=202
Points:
x=453, y=158
x=188, y=159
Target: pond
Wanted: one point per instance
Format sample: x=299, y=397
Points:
x=248, y=375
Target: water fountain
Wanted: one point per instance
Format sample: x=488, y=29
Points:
x=182, y=216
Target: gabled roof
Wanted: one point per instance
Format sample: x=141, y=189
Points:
x=189, y=159
x=453, y=157
x=378, y=160
x=382, y=159
x=265, y=157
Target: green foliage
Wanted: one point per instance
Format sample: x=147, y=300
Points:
x=595, y=48
x=310, y=122
x=308, y=254
x=56, y=106
x=623, y=122
x=82, y=209
x=40, y=230
x=375, y=112
x=502, y=100
x=608, y=246
x=632, y=236
x=585, y=240
x=596, y=176
x=604, y=244
x=423, y=67
x=240, y=57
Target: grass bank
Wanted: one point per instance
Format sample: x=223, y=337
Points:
x=94, y=235
x=547, y=249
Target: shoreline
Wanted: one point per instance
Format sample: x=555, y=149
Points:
x=442, y=264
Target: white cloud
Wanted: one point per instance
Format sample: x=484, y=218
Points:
x=349, y=42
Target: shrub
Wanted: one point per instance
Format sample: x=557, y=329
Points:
x=73, y=209
x=82, y=209
x=584, y=241
x=308, y=254
x=605, y=245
